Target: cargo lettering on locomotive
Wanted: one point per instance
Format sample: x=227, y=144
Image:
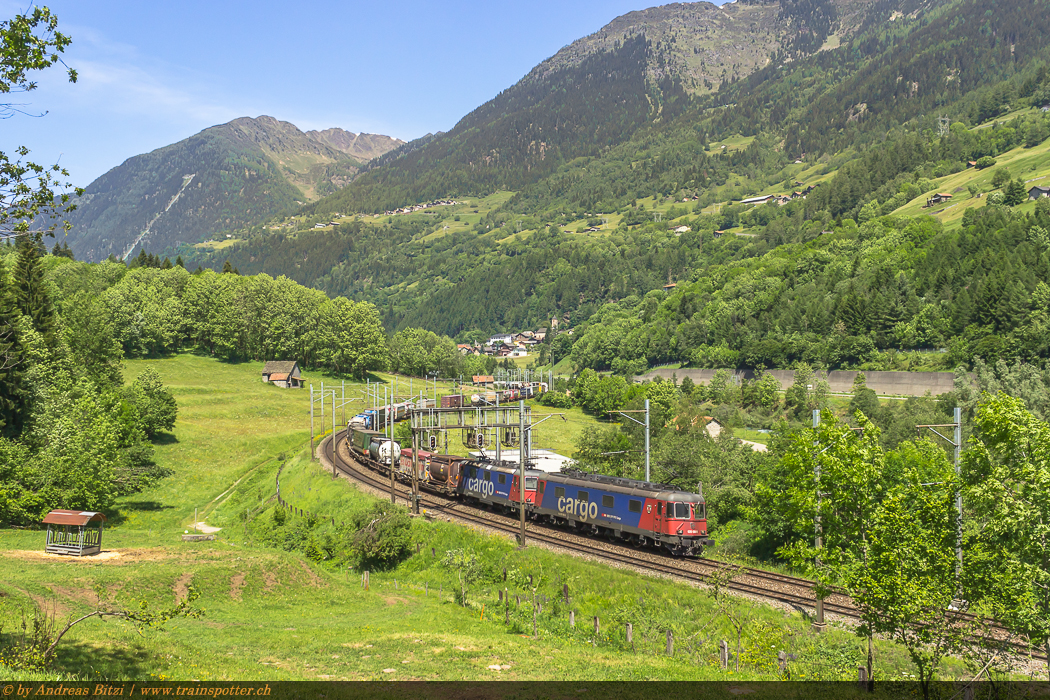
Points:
x=581, y=509
x=486, y=488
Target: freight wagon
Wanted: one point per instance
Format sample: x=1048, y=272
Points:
x=372, y=445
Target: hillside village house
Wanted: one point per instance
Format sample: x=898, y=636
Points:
x=1037, y=192
x=283, y=374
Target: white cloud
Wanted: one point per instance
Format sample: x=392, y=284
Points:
x=130, y=89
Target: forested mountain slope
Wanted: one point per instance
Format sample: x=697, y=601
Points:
x=641, y=69
x=225, y=177
x=872, y=144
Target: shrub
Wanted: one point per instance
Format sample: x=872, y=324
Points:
x=1000, y=177
x=985, y=162
x=380, y=536
x=555, y=399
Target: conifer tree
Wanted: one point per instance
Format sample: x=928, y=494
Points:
x=142, y=260
x=178, y=261
x=30, y=291
x=66, y=252
x=227, y=267
x=1016, y=192
x=10, y=362
x=166, y=265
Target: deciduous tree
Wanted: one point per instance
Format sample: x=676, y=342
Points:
x=30, y=42
x=906, y=588
x=1007, y=476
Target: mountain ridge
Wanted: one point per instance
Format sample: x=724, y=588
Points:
x=244, y=171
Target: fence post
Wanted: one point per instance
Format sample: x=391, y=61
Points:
x=862, y=677
x=670, y=643
x=782, y=660
x=517, y=601
x=572, y=618
x=534, y=636
x=418, y=546
x=630, y=634
x=506, y=615
x=723, y=654
x=597, y=626
x=432, y=553
x=504, y=574
x=501, y=596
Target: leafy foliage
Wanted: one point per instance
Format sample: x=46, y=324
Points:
x=155, y=405
x=30, y=42
x=1007, y=470
x=380, y=537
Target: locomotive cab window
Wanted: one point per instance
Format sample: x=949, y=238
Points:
x=681, y=511
x=634, y=506
x=487, y=477
x=701, y=511
x=608, y=502
x=559, y=492
x=583, y=496
x=541, y=486
x=503, y=478
x=660, y=508
x=530, y=483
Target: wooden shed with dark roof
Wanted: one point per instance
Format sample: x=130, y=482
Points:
x=75, y=532
x=284, y=374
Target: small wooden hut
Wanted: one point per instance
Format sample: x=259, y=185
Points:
x=74, y=532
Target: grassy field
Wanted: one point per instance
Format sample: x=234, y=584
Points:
x=1032, y=164
x=759, y=436
x=274, y=614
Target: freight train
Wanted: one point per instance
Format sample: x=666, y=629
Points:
x=381, y=416
x=634, y=512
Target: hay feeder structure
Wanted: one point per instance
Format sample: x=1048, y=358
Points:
x=74, y=532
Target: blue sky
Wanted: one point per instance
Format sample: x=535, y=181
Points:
x=153, y=73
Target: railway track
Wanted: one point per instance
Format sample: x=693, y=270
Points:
x=793, y=591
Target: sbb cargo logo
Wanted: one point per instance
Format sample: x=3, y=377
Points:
x=581, y=509
x=485, y=488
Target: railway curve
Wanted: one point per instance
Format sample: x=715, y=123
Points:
x=794, y=592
